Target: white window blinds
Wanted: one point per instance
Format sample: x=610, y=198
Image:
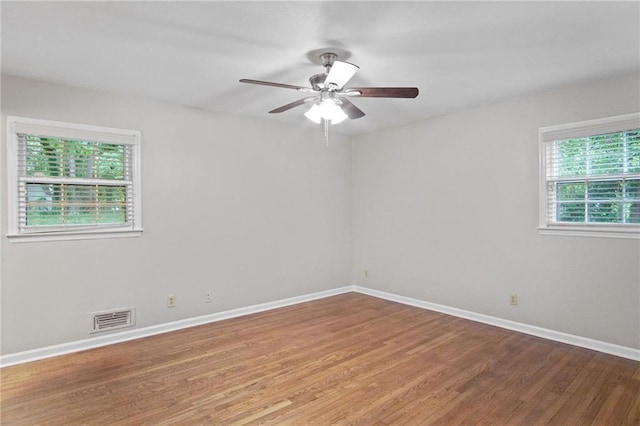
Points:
x=69, y=182
x=64, y=184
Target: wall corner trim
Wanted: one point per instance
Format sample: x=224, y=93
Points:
x=583, y=342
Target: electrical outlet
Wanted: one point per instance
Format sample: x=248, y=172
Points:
x=513, y=299
x=171, y=301
x=208, y=296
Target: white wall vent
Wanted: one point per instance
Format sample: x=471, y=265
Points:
x=112, y=320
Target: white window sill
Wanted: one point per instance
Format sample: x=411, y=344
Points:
x=60, y=236
x=592, y=231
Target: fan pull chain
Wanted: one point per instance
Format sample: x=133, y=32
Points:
x=326, y=131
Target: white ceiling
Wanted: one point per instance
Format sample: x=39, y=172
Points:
x=459, y=54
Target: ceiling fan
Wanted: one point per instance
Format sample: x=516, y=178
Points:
x=330, y=99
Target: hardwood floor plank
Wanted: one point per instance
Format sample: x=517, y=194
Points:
x=347, y=359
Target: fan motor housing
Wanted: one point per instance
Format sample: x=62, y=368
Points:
x=317, y=81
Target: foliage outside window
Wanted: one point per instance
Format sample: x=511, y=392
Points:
x=73, y=179
x=591, y=182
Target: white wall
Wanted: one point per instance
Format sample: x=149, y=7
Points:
x=274, y=219
x=446, y=211
x=252, y=210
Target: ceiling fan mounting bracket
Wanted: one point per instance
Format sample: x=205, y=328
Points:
x=327, y=60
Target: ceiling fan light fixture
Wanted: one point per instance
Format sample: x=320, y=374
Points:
x=314, y=114
x=326, y=110
x=338, y=116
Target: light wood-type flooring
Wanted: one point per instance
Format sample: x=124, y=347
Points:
x=347, y=359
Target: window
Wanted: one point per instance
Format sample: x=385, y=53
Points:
x=590, y=178
x=70, y=181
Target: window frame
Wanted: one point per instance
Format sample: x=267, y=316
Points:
x=575, y=130
x=72, y=131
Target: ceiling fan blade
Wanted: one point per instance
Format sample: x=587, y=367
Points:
x=284, y=86
x=340, y=73
x=350, y=109
x=381, y=92
x=293, y=104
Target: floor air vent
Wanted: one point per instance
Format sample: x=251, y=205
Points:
x=112, y=320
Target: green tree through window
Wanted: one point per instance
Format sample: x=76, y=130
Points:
x=596, y=179
x=74, y=182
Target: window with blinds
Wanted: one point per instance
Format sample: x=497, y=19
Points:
x=590, y=177
x=73, y=179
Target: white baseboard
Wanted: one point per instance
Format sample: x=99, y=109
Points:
x=95, y=342
x=98, y=341
x=584, y=342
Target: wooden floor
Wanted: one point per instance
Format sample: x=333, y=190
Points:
x=340, y=360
